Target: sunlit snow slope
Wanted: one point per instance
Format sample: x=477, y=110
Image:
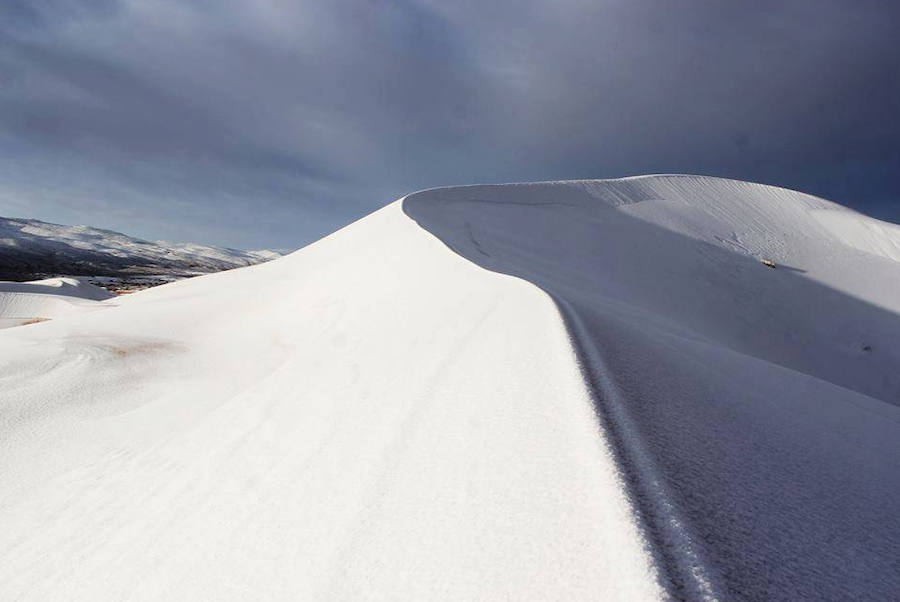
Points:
x=24, y=302
x=626, y=404
x=752, y=411
x=371, y=418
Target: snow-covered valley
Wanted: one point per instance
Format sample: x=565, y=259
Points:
x=574, y=390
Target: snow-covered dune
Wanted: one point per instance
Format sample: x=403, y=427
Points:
x=753, y=411
x=24, y=302
x=626, y=404
x=373, y=417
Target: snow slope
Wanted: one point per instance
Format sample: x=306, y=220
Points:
x=625, y=404
x=369, y=418
x=753, y=412
x=30, y=246
x=23, y=302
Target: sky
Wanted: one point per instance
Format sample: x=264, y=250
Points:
x=270, y=123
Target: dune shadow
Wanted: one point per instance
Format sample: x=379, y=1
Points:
x=790, y=269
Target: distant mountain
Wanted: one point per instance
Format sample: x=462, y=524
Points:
x=31, y=249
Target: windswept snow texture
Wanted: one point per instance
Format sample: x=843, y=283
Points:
x=29, y=247
x=377, y=417
x=370, y=418
x=24, y=302
x=752, y=411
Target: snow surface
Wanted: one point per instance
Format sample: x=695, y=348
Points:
x=625, y=404
x=370, y=418
x=23, y=302
x=753, y=412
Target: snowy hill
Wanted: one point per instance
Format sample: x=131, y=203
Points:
x=29, y=302
x=30, y=248
x=574, y=390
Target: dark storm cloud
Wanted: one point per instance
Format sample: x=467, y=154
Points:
x=272, y=122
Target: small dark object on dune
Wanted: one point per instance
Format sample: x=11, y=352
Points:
x=37, y=320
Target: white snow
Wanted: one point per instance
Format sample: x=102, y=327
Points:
x=372, y=417
x=868, y=235
x=557, y=391
x=23, y=302
x=753, y=411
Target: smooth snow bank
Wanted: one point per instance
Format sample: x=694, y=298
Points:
x=753, y=411
x=23, y=302
x=370, y=418
x=862, y=233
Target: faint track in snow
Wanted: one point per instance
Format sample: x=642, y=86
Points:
x=685, y=573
